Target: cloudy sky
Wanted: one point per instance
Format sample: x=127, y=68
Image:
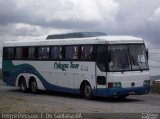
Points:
x=29, y=19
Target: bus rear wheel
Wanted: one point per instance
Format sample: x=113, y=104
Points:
x=23, y=85
x=88, y=92
x=33, y=87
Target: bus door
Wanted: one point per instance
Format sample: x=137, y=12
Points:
x=101, y=70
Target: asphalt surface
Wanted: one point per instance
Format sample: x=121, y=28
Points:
x=51, y=102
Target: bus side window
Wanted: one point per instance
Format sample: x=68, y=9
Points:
x=87, y=52
x=31, y=53
x=25, y=53
x=56, y=52
x=10, y=53
x=5, y=53
x=75, y=52
x=101, y=57
x=19, y=53
x=71, y=52
x=43, y=52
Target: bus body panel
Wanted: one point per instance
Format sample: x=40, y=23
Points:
x=127, y=78
x=48, y=75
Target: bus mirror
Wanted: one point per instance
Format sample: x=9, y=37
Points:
x=147, y=54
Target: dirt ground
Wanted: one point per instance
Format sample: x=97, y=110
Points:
x=12, y=100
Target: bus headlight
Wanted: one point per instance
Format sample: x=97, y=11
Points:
x=114, y=85
x=119, y=85
x=146, y=83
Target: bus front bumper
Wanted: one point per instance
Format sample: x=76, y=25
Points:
x=117, y=92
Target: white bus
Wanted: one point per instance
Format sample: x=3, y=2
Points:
x=107, y=66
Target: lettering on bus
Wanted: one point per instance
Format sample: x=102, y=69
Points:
x=64, y=66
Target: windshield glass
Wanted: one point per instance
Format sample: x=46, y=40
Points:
x=127, y=57
x=138, y=57
x=119, y=58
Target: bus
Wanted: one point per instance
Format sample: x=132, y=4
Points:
x=78, y=63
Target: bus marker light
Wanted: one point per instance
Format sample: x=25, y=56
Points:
x=110, y=85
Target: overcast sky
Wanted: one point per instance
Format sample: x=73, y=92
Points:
x=25, y=19
x=29, y=19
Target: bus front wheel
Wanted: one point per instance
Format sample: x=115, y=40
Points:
x=33, y=87
x=88, y=92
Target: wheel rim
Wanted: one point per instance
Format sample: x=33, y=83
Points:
x=34, y=86
x=23, y=85
x=88, y=91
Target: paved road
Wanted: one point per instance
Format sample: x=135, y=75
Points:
x=12, y=100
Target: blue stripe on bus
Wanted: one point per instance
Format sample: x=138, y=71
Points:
x=11, y=72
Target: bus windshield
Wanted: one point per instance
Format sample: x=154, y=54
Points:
x=127, y=57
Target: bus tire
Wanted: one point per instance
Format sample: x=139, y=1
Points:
x=23, y=85
x=88, y=92
x=33, y=86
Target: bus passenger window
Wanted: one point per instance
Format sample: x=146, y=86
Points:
x=19, y=53
x=75, y=53
x=11, y=53
x=71, y=52
x=5, y=53
x=25, y=53
x=43, y=53
x=8, y=53
x=31, y=53
x=87, y=52
x=56, y=52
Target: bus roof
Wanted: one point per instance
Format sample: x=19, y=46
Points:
x=76, y=41
x=75, y=35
